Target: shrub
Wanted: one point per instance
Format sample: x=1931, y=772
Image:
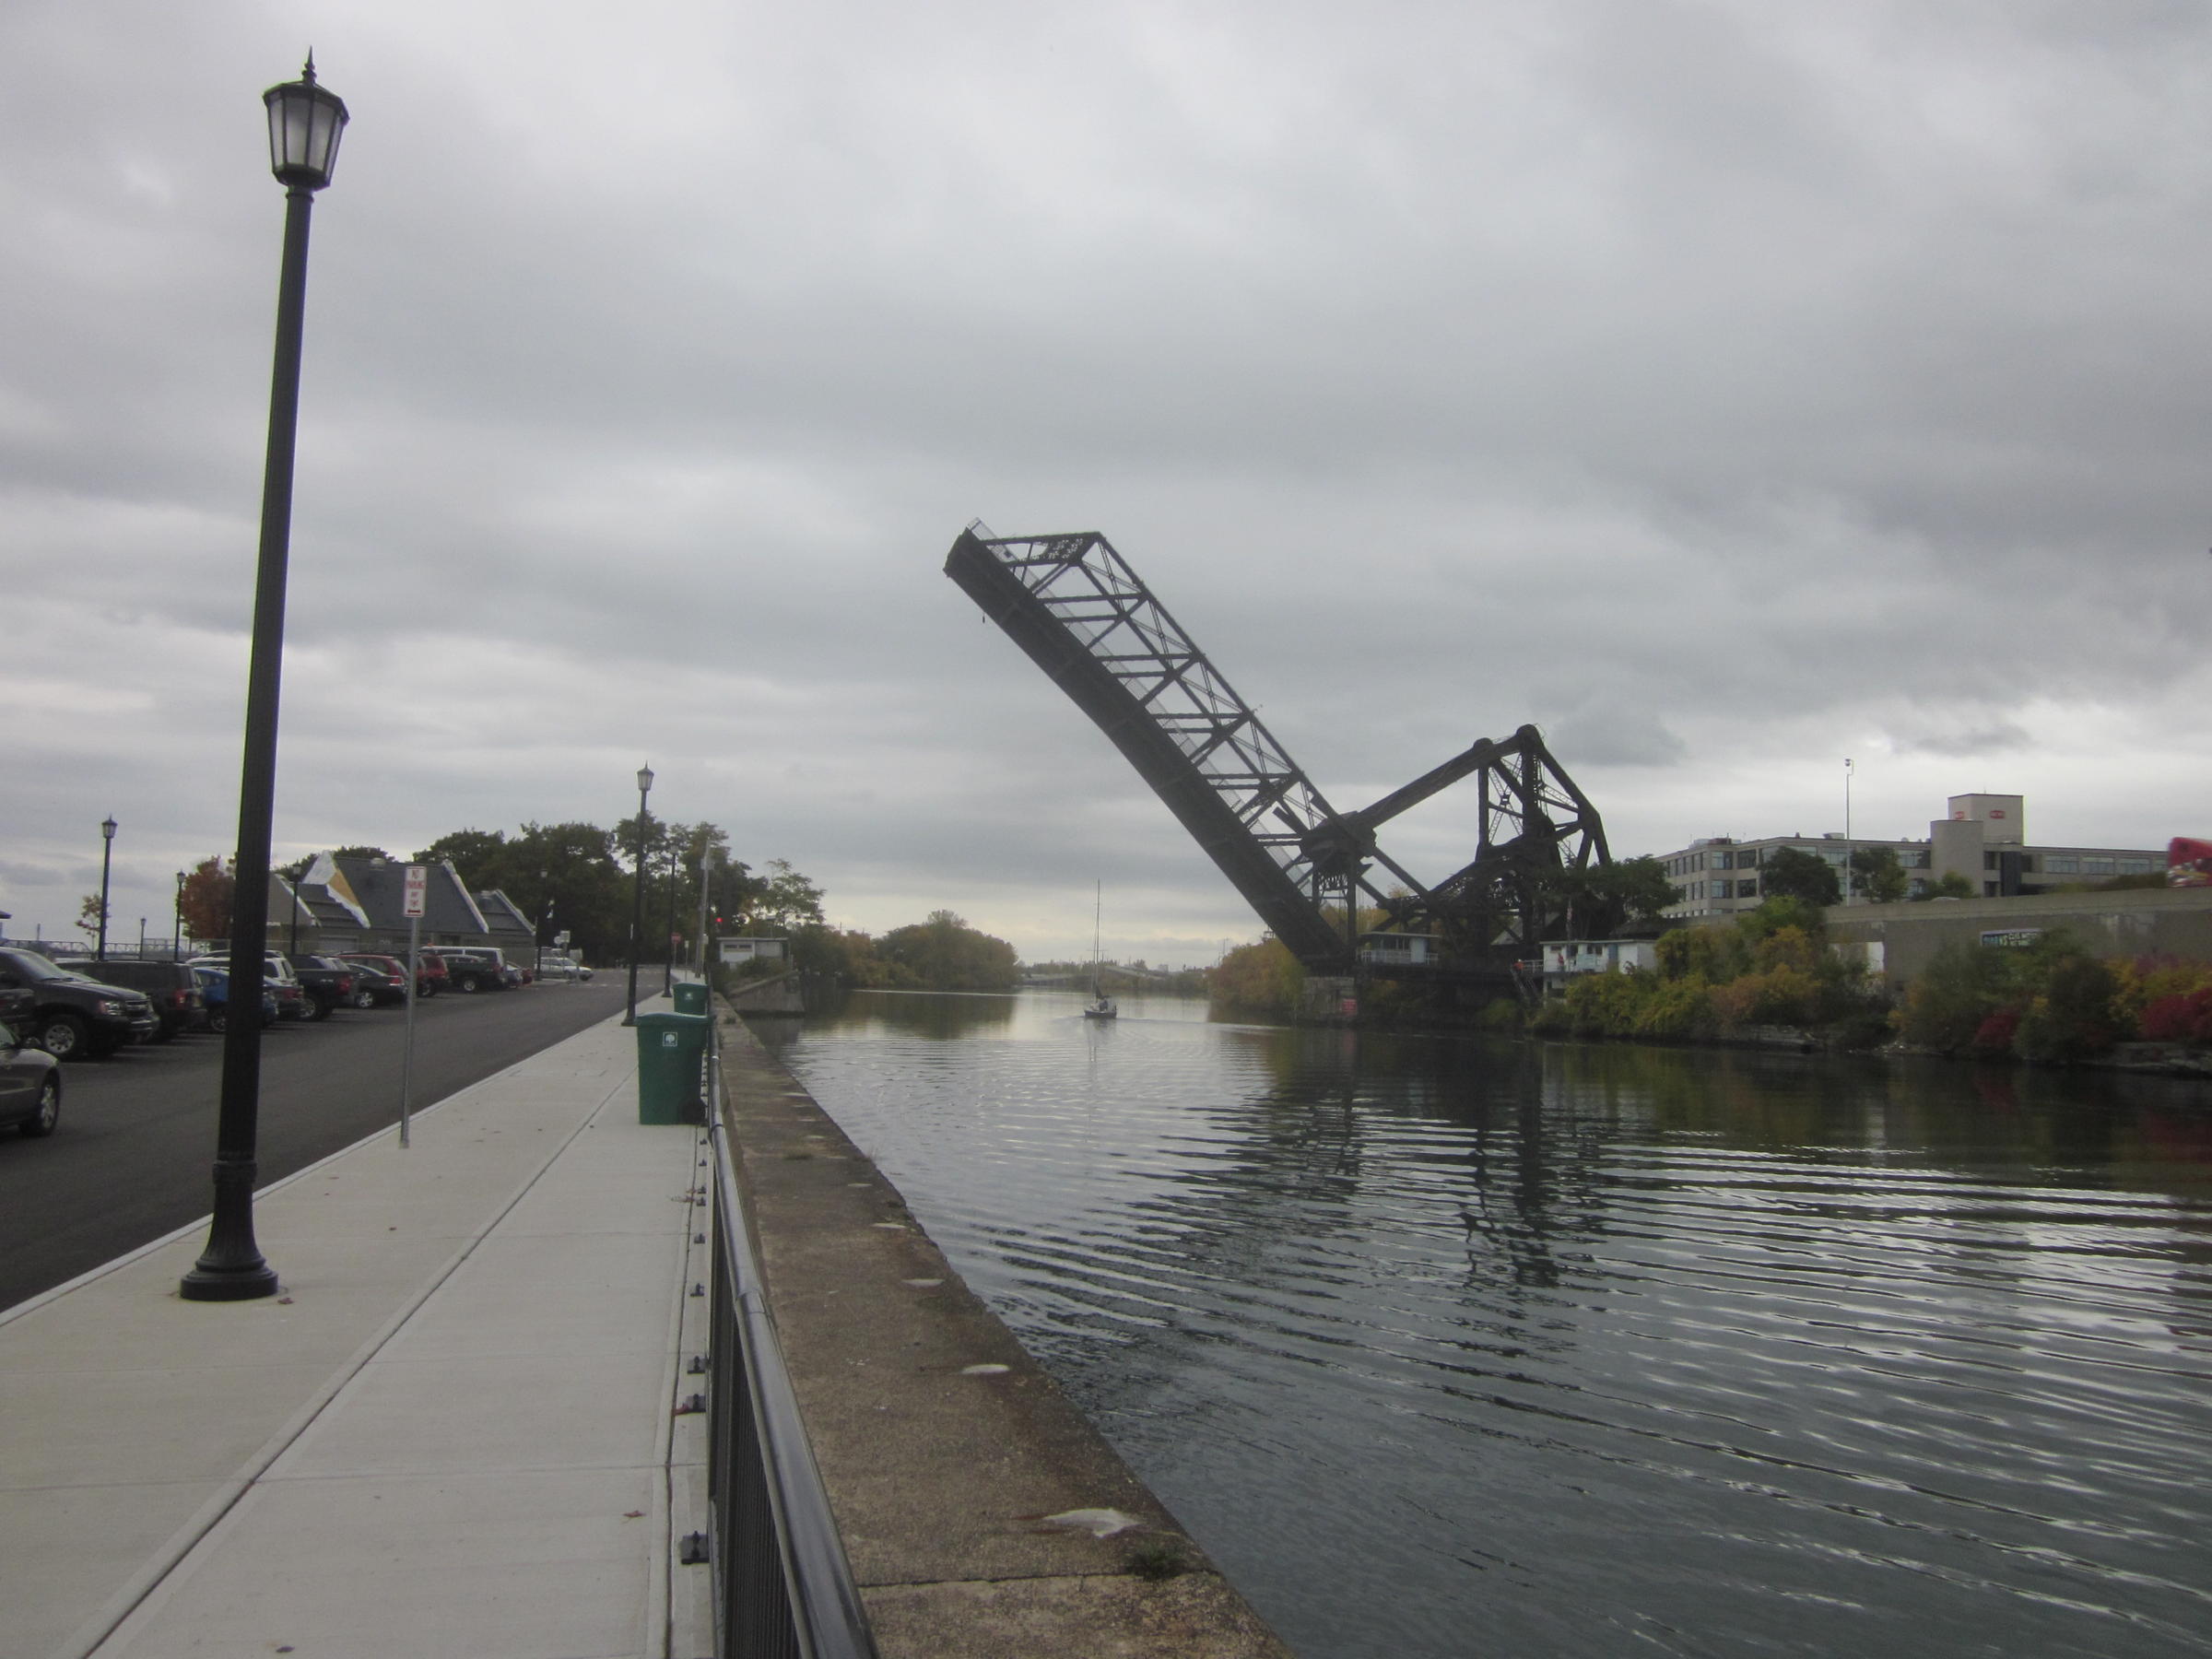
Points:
x=1995, y=1035
x=2183, y=1017
x=2073, y=1017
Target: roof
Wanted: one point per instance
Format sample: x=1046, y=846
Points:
x=378, y=888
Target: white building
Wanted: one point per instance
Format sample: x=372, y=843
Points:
x=1565, y=960
x=731, y=950
x=1984, y=840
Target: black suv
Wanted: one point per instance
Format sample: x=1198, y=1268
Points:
x=172, y=988
x=476, y=968
x=72, y=1016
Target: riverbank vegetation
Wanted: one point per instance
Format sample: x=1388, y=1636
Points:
x=940, y=954
x=1771, y=967
x=2052, y=1001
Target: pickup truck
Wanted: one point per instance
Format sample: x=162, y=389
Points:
x=73, y=1017
x=327, y=981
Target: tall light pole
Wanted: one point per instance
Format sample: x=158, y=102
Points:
x=1847, y=870
x=176, y=944
x=637, y=908
x=668, y=965
x=107, y=860
x=305, y=123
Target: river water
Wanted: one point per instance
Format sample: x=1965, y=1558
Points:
x=1459, y=1348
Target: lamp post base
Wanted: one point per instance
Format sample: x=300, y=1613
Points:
x=232, y=1268
x=224, y=1284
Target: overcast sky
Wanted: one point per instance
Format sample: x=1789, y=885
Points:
x=1728, y=388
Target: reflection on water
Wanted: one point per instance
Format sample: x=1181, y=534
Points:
x=1450, y=1347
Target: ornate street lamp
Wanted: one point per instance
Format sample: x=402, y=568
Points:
x=176, y=944
x=305, y=123
x=637, y=909
x=107, y=859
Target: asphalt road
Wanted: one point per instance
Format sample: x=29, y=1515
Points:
x=132, y=1160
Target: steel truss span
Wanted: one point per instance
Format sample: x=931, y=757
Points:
x=1073, y=604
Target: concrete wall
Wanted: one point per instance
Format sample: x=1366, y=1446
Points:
x=2150, y=921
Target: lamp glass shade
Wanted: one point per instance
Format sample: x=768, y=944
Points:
x=107, y=828
x=645, y=779
x=305, y=123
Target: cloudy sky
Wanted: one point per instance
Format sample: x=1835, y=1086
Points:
x=1727, y=388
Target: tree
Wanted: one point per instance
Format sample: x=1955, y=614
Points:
x=1629, y=892
x=90, y=917
x=204, y=901
x=565, y=879
x=366, y=853
x=786, y=901
x=1257, y=981
x=1951, y=885
x=1789, y=873
x=946, y=954
x=479, y=855
x=1880, y=878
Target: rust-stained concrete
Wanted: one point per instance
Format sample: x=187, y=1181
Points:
x=941, y=1480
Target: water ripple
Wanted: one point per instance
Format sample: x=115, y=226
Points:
x=1445, y=1348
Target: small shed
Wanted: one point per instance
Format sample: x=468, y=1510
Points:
x=732, y=951
x=1399, y=949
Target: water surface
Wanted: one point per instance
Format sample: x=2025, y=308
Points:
x=1448, y=1347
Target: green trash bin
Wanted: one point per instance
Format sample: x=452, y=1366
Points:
x=671, y=1067
x=692, y=997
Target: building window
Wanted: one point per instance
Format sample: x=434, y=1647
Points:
x=1989, y=861
x=1989, y=889
x=2096, y=866
x=2061, y=864
x=2135, y=867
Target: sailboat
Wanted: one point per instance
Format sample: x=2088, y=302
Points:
x=1100, y=1006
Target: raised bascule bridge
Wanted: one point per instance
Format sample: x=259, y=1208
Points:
x=1087, y=619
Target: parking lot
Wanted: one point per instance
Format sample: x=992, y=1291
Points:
x=131, y=1159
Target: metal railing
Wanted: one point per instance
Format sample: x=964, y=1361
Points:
x=783, y=1587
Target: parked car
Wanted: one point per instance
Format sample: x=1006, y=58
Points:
x=214, y=992
x=435, y=970
x=291, y=997
x=31, y=1088
x=476, y=968
x=393, y=968
x=19, y=1005
x=552, y=967
x=327, y=980
x=373, y=984
x=169, y=986
x=73, y=1017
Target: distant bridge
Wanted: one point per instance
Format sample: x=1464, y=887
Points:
x=1083, y=976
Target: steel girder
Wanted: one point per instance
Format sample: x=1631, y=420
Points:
x=1073, y=604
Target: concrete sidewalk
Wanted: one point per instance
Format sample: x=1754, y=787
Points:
x=450, y=1434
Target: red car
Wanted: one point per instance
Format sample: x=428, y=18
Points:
x=429, y=983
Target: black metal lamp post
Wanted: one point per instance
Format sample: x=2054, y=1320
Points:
x=107, y=859
x=176, y=944
x=305, y=123
x=637, y=909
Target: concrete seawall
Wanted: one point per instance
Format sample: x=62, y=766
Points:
x=970, y=1491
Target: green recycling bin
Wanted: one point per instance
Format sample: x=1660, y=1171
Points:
x=692, y=997
x=671, y=1067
